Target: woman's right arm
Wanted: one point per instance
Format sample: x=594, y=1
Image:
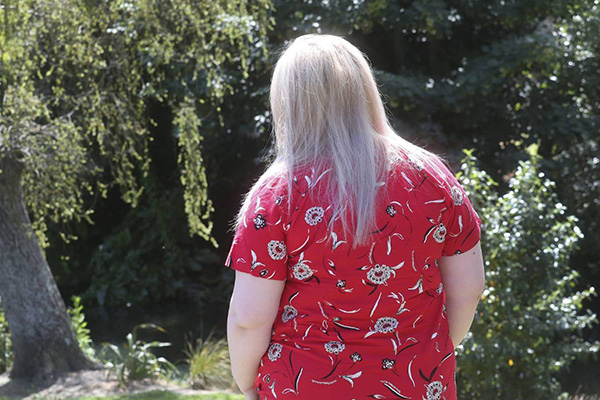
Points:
x=463, y=280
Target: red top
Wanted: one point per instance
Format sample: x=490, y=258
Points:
x=368, y=323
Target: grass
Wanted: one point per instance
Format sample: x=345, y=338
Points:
x=165, y=395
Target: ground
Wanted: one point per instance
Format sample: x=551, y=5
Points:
x=88, y=384
x=95, y=385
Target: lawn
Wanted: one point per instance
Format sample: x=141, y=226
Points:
x=165, y=395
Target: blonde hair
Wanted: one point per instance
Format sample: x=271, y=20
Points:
x=328, y=115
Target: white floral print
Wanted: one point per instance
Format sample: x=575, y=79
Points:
x=440, y=233
x=386, y=324
x=275, y=351
x=416, y=163
x=391, y=210
x=434, y=390
x=379, y=274
x=259, y=221
x=387, y=363
x=277, y=249
x=302, y=271
x=334, y=347
x=289, y=312
x=314, y=215
x=370, y=306
x=457, y=195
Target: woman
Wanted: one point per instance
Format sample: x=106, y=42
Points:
x=357, y=255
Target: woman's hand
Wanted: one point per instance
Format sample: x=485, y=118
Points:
x=251, y=394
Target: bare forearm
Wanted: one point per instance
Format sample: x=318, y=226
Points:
x=461, y=310
x=246, y=347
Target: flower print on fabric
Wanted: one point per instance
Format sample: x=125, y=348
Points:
x=334, y=347
x=275, y=351
x=387, y=363
x=258, y=245
x=277, y=249
x=289, y=312
x=379, y=274
x=457, y=195
x=363, y=322
x=259, y=221
x=314, y=215
x=439, y=233
x=391, y=210
x=463, y=227
x=302, y=271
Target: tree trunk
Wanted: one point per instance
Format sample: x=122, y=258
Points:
x=44, y=343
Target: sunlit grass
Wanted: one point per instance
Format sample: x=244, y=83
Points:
x=165, y=395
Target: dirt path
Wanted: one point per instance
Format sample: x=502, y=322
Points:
x=85, y=383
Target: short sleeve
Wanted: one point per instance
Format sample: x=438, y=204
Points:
x=463, y=231
x=258, y=246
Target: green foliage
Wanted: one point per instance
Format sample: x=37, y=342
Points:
x=135, y=360
x=148, y=257
x=74, y=96
x=209, y=363
x=196, y=198
x=6, y=356
x=80, y=327
x=529, y=323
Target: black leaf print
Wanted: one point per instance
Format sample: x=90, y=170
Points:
x=346, y=326
x=380, y=229
x=432, y=373
x=394, y=390
x=408, y=347
x=374, y=289
x=446, y=357
x=291, y=365
x=467, y=236
x=298, y=379
x=293, y=296
x=333, y=332
x=427, y=233
x=333, y=370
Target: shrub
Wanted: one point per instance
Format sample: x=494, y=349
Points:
x=80, y=327
x=209, y=363
x=6, y=355
x=528, y=325
x=135, y=360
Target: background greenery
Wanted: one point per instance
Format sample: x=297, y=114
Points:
x=494, y=76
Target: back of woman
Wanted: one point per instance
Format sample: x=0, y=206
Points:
x=352, y=251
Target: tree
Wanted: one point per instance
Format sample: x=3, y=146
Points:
x=76, y=77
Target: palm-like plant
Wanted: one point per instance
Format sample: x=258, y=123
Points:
x=135, y=360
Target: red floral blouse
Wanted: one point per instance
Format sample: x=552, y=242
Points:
x=367, y=323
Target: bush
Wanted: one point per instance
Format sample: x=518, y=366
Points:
x=135, y=360
x=209, y=363
x=80, y=327
x=528, y=324
x=6, y=355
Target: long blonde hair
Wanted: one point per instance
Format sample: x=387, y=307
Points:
x=328, y=114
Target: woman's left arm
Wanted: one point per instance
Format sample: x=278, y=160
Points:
x=252, y=311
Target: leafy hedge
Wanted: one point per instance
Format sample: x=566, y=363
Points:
x=529, y=323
